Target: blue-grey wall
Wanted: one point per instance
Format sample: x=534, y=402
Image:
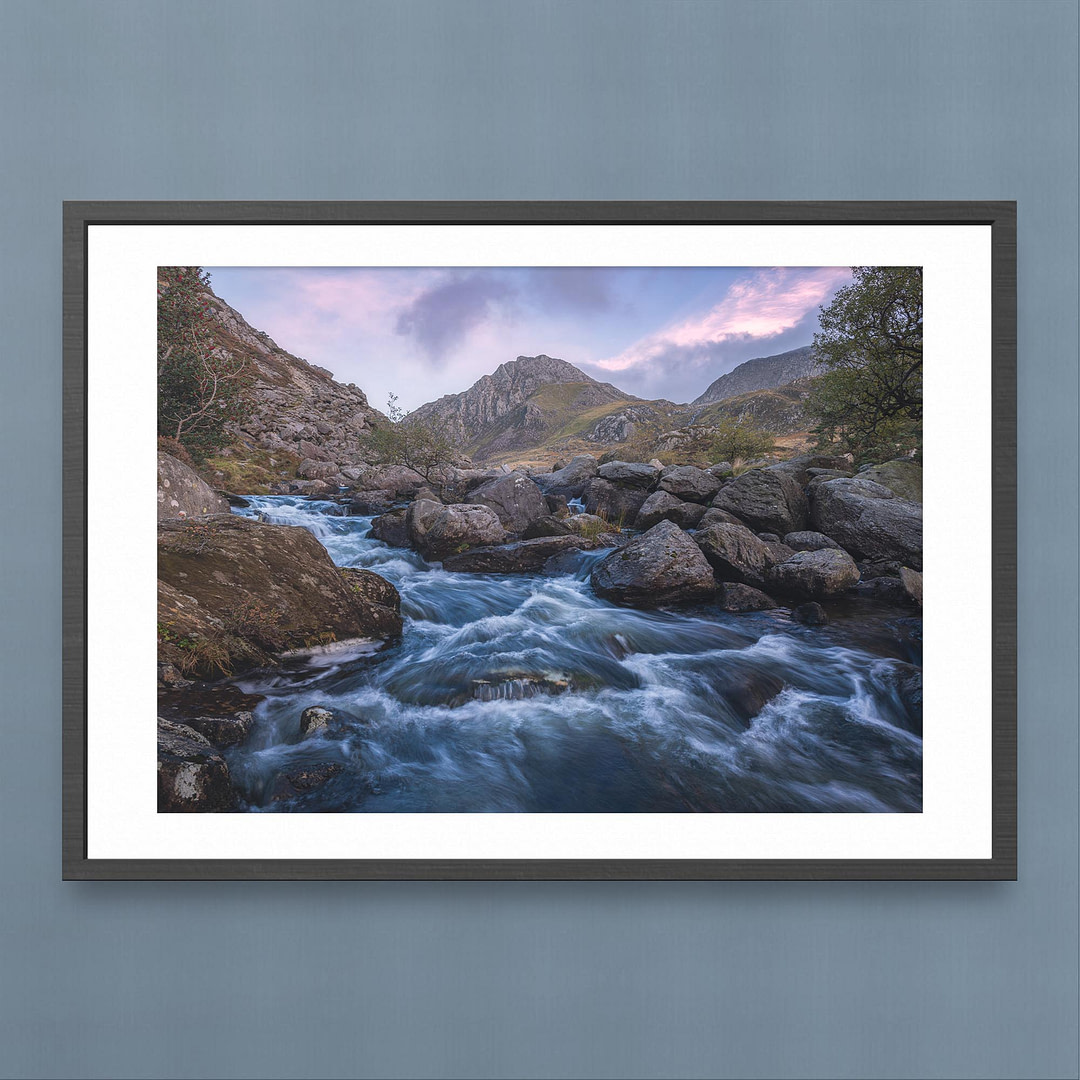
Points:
x=541, y=100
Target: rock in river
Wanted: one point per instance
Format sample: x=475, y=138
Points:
x=523, y=557
x=515, y=498
x=662, y=566
x=735, y=553
x=437, y=531
x=192, y=775
x=236, y=591
x=815, y=574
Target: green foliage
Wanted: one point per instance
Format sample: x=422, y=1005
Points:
x=738, y=438
x=201, y=388
x=869, y=400
x=425, y=446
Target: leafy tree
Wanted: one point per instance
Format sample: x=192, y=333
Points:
x=201, y=388
x=423, y=445
x=738, y=438
x=870, y=397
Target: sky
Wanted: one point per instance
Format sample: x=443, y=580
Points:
x=421, y=332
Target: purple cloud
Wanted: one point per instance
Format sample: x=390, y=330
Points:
x=441, y=317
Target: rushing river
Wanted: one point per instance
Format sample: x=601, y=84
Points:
x=528, y=693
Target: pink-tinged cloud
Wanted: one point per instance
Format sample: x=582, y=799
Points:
x=762, y=305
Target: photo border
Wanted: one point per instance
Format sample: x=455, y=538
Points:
x=999, y=215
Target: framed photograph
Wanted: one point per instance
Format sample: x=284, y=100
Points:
x=539, y=540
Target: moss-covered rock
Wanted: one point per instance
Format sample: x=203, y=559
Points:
x=233, y=592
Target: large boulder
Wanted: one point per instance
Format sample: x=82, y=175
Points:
x=663, y=506
x=690, y=484
x=391, y=529
x=515, y=498
x=617, y=503
x=363, y=503
x=901, y=477
x=399, y=479
x=437, y=531
x=805, y=466
x=182, y=493
x=735, y=553
x=192, y=775
x=868, y=520
x=632, y=473
x=662, y=566
x=523, y=557
x=233, y=592
x=570, y=480
x=815, y=574
x=768, y=500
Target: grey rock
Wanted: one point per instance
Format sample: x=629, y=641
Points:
x=810, y=614
x=371, y=502
x=662, y=566
x=391, y=529
x=515, y=498
x=632, y=473
x=294, y=783
x=182, y=493
x=735, y=553
x=768, y=500
x=868, y=520
x=223, y=731
x=192, y=776
x=547, y=526
x=732, y=596
x=663, y=506
x=617, y=503
x=690, y=484
x=569, y=481
x=437, y=531
x=815, y=574
x=314, y=721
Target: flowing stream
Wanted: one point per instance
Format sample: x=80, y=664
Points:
x=528, y=693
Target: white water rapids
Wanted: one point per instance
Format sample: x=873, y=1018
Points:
x=528, y=693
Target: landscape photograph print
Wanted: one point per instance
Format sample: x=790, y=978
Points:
x=577, y=539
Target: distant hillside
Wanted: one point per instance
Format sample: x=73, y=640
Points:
x=524, y=403
x=300, y=413
x=778, y=409
x=762, y=373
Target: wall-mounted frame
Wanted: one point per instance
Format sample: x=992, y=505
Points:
x=950, y=815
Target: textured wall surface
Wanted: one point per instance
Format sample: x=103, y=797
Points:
x=597, y=100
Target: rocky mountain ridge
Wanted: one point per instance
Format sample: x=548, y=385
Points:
x=299, y=411
x=498, y=412
x=761, y=373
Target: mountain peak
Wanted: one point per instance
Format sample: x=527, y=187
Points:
x=497, y=404
x=761, y=373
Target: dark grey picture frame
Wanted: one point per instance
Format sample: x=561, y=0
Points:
x=999, y=215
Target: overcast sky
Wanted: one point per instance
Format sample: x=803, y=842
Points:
x=421, y=332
